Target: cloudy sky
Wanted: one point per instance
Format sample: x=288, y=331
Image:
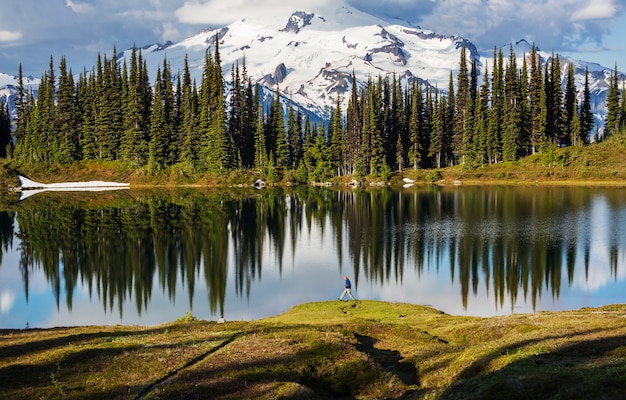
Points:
x=33, y=30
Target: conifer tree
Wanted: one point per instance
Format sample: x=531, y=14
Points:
x=587, y=121
x=571, y=122
x=134, y=146
x=462, y=131
x=535, y=89
x=337, y=138
x=481, y=121
x=248, y=120
x=169, y=110
x=109, y=123
x=353, y=132
x=66, y=123
x=160, y=128
x=320, y=158
x=554, y=101
x=437, y=147
x=215, y=145
x=235, y=114
x=513, y=121
x=86, y=94
x=188, y=110
x=21, y=106
x=613, y=106
x=524, y=110
x=5, y=130
x=416, y=143
x=260, y=139
x=294, y=137
x=377, y=159
x=543, y=119
x=496, y=114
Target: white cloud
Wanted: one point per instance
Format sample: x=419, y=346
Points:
x=220, y=12
x=596, y=9
x=8, y=36
x=7, y=299
x=79, y=8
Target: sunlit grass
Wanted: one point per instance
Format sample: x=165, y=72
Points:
x=362, y=349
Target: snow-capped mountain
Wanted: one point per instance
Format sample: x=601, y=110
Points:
x=311, y=55
x=8, y=89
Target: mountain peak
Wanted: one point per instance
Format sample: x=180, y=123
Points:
x=297, y=21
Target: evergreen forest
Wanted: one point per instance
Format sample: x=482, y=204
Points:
x=116, y=112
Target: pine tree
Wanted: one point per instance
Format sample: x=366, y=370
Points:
x=235, y=123
x=524, y=111
x=535, y=90
x=613, y=106
x=294, y=137
x=171, y=146
x=160, y=129
x=134, y=146
x=187, y=132
x=587, y=121
x=109, y=123
x=571, y=132
x=86, y=94
x=437, y=147
x=353, y=132
x=216, y=146
x=21, y=106
x=5, y=130
x=248, y=120
x=66, y=117
x=462, y=136
x=260, y=139
x=513, y=122
x=554, y=101
x=496, y=114
x=416, y=129
x=337, y=138
x=377, y=164
x=481, y=124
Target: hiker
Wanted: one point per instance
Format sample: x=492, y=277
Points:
x=347, y=289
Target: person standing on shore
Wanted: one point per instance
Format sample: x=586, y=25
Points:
x=347, y=289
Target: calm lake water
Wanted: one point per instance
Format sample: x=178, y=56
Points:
x=148, y=257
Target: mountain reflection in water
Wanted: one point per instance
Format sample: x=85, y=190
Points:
x=147, y=257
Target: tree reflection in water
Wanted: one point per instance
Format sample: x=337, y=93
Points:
x=514, y=241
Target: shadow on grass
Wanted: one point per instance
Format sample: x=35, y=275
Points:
x=389, y=360
x=589, y=369
x=43, y=345
x=66, y=371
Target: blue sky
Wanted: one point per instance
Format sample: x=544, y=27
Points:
x=33, y=30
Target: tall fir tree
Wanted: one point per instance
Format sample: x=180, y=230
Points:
x=160, y=128
x=587, y=120
x=134, y=145
x=571, y=122
x=5, y=130
x=512, y=116
x=66, y=124
x=613, y=106
x=187, y=129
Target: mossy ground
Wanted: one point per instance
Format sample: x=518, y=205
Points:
x=363, y=350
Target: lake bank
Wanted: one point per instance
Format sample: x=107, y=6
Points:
x=364, y=349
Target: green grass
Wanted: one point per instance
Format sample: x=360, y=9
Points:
x=363, y=350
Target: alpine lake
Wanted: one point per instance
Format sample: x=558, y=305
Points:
x=146, y=257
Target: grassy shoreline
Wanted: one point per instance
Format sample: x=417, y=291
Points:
x=363, y=350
